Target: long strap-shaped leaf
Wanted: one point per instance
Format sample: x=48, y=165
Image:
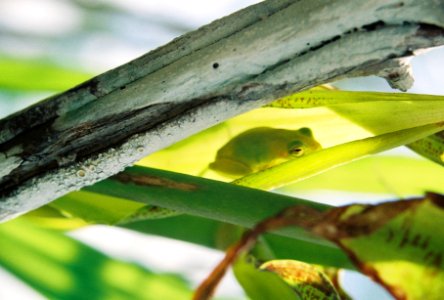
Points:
x=300, y=168
x=431, y=147
x=201, y=197
x=59, y=267
x=323, y=96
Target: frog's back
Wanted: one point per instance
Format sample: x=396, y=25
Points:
x=250, y=147
x=260, y=148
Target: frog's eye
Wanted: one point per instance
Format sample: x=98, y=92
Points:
x=297, y=151
x=306, y=131
x=295, y=148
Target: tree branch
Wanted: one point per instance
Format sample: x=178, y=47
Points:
x=228, y=67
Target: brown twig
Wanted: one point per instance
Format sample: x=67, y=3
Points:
x=296, y=215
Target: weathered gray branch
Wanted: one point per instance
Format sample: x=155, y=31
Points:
x=228, y=67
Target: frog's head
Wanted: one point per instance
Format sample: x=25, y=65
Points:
x=302, y=143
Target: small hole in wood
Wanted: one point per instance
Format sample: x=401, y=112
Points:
x=215, y=65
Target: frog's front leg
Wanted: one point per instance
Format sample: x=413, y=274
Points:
x=230, y=167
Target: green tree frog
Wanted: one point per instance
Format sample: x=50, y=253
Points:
x=263, y=147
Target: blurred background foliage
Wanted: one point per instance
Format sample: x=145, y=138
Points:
x=47, y=46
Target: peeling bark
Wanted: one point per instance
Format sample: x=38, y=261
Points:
x=230, y=66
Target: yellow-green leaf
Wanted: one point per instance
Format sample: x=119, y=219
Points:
x=198, y=151
x=37, y=75
x=377, y=175
x=60, y=267
x=260, y=285
x=307, y=280
x=431, y=147
x=300, y=168
x=283, y=279
x=330, y=96
x=399, y=244
x=96, y=208
x=345, y=117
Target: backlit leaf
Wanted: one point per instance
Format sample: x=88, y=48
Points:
x=431, y=147
x=60, y=267
x=300, y=168
x=399, y=244
x=378, y=175
x=258, y=284
x=307, y=280
x=35, y=75
x=330, y=96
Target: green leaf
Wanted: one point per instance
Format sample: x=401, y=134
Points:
x=206, y=198
x=346, y=117
x=330, y=96
x=208, y=233
x=283, y=279
x=80, y=208
x=37, y=75
x=200, y=197
x=96, y=208
x=382, y=174
x=388, y=116
x=198, y=151
x=51, y=218
x=60, y=267
x=259, y=285
x=217, y=200
x=375, y=106
x=303, y=167
x=308, y=281
x=431, y=147
x=398, y=244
